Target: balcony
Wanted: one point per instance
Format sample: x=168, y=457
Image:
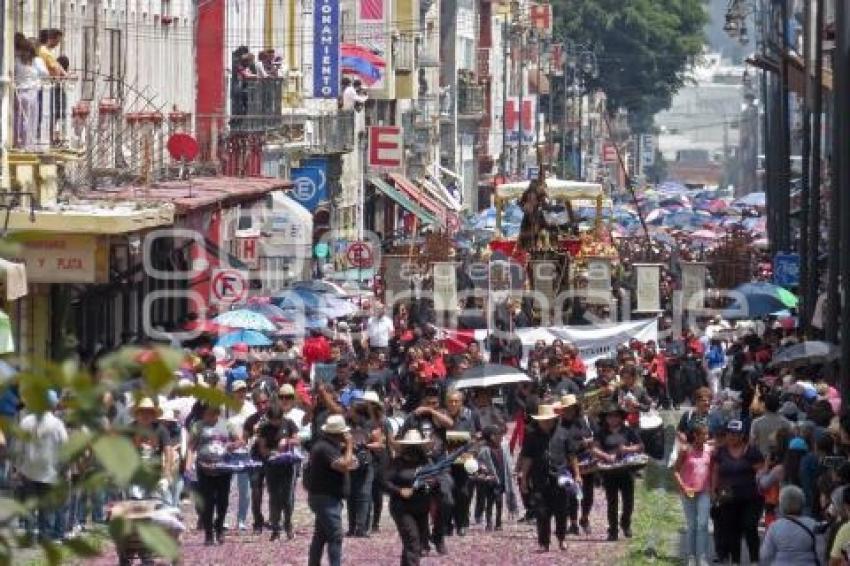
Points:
x=429, y=49
x=427, y=109
x=331, y=133
x=255, y=104
x=470, y=101
x=49, y=118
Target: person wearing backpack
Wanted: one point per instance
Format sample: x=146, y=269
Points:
x=791, y=539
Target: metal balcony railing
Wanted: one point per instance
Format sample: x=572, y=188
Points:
x=44, y=118
x=332, y=133
x=470, y=100
x=255, y=104
x=427, y=109
x=429, y=50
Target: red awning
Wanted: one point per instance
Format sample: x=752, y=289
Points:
x=419, y=196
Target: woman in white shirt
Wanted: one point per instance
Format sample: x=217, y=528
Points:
x=29, y=70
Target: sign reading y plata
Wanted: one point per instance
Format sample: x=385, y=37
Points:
x=60, y=258
x=326, y=49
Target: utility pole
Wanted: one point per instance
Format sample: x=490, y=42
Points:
x=842, y=183
x=505, y=36
x=833, y=299
x=813, y=243
x=803, y=249
x=520, y=76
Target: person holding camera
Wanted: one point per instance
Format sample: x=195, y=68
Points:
x=409, y=503
x=325, y=475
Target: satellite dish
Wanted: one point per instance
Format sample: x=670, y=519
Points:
x=182, y=147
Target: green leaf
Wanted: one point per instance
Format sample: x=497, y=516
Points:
x=10, y=508
x=118, y=457
x=82, y=547
x=77, y=443
x=52, y=552
x=34, y=390
x=119, y=528
x=209, y=395
x=158, y=541
x=157, y=375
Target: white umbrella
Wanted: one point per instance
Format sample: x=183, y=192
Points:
x=490, y=375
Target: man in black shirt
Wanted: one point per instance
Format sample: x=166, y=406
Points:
x=432, y=423
x=258, y=475
x=579, y=437
x=275, y=435
x=331, y=458
x=536, y=478
x=464, y=429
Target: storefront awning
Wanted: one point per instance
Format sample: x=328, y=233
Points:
x=418, y=195
x=402, y=200
x=435, y=188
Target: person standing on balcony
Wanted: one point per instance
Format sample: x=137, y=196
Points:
x=48, y=40
x=29, y=70
x=352, y=96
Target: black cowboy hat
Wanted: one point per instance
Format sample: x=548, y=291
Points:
x=612, y=407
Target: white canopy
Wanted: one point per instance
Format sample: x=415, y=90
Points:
x=557, y=189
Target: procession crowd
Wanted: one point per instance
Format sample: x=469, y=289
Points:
x=392, y=421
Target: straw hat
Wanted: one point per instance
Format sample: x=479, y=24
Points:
x=568, y=401
x=545, y=413
x=372, y=397
x=457, y=436
x=239, y=385
x=335, y=425
x=412, y=438
x=286, y=390
x=146, y=404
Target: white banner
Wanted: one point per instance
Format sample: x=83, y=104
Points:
x=593, y=342
x=445, y=287
x=693, y=281
x=598, y=274
x=647, y=278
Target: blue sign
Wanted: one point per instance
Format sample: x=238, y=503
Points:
x=310, y=186
x=786, y=270
x=326, y=49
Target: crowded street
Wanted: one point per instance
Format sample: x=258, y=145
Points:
x=468, y=282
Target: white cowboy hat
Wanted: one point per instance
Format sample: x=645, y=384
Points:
x=568, y=401
x=372, y=397
x=412, y=438
x=146, y=404
x=168, y=415
x=545, y=413
x=335, y=425
x=239, y=385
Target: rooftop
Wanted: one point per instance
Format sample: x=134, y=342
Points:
x=195, y=193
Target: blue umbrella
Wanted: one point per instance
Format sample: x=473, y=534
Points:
x=752, y=199
x=244, y=318
x=249, y=337
x=298, y=299
x=758, y=300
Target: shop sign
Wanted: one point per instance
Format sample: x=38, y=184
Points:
x=60, y=258
x=326, y=49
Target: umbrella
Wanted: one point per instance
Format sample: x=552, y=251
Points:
x=322, y=286
x=705, y=235
x=244, y=318
x=656, y=215
x=490, y=375
x=760, y=299
x=298, y=298
x=268, y=310
x=249, y=337
x=752, y=200
x=812, y=352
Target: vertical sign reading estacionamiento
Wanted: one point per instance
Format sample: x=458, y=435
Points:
x=326, y=49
